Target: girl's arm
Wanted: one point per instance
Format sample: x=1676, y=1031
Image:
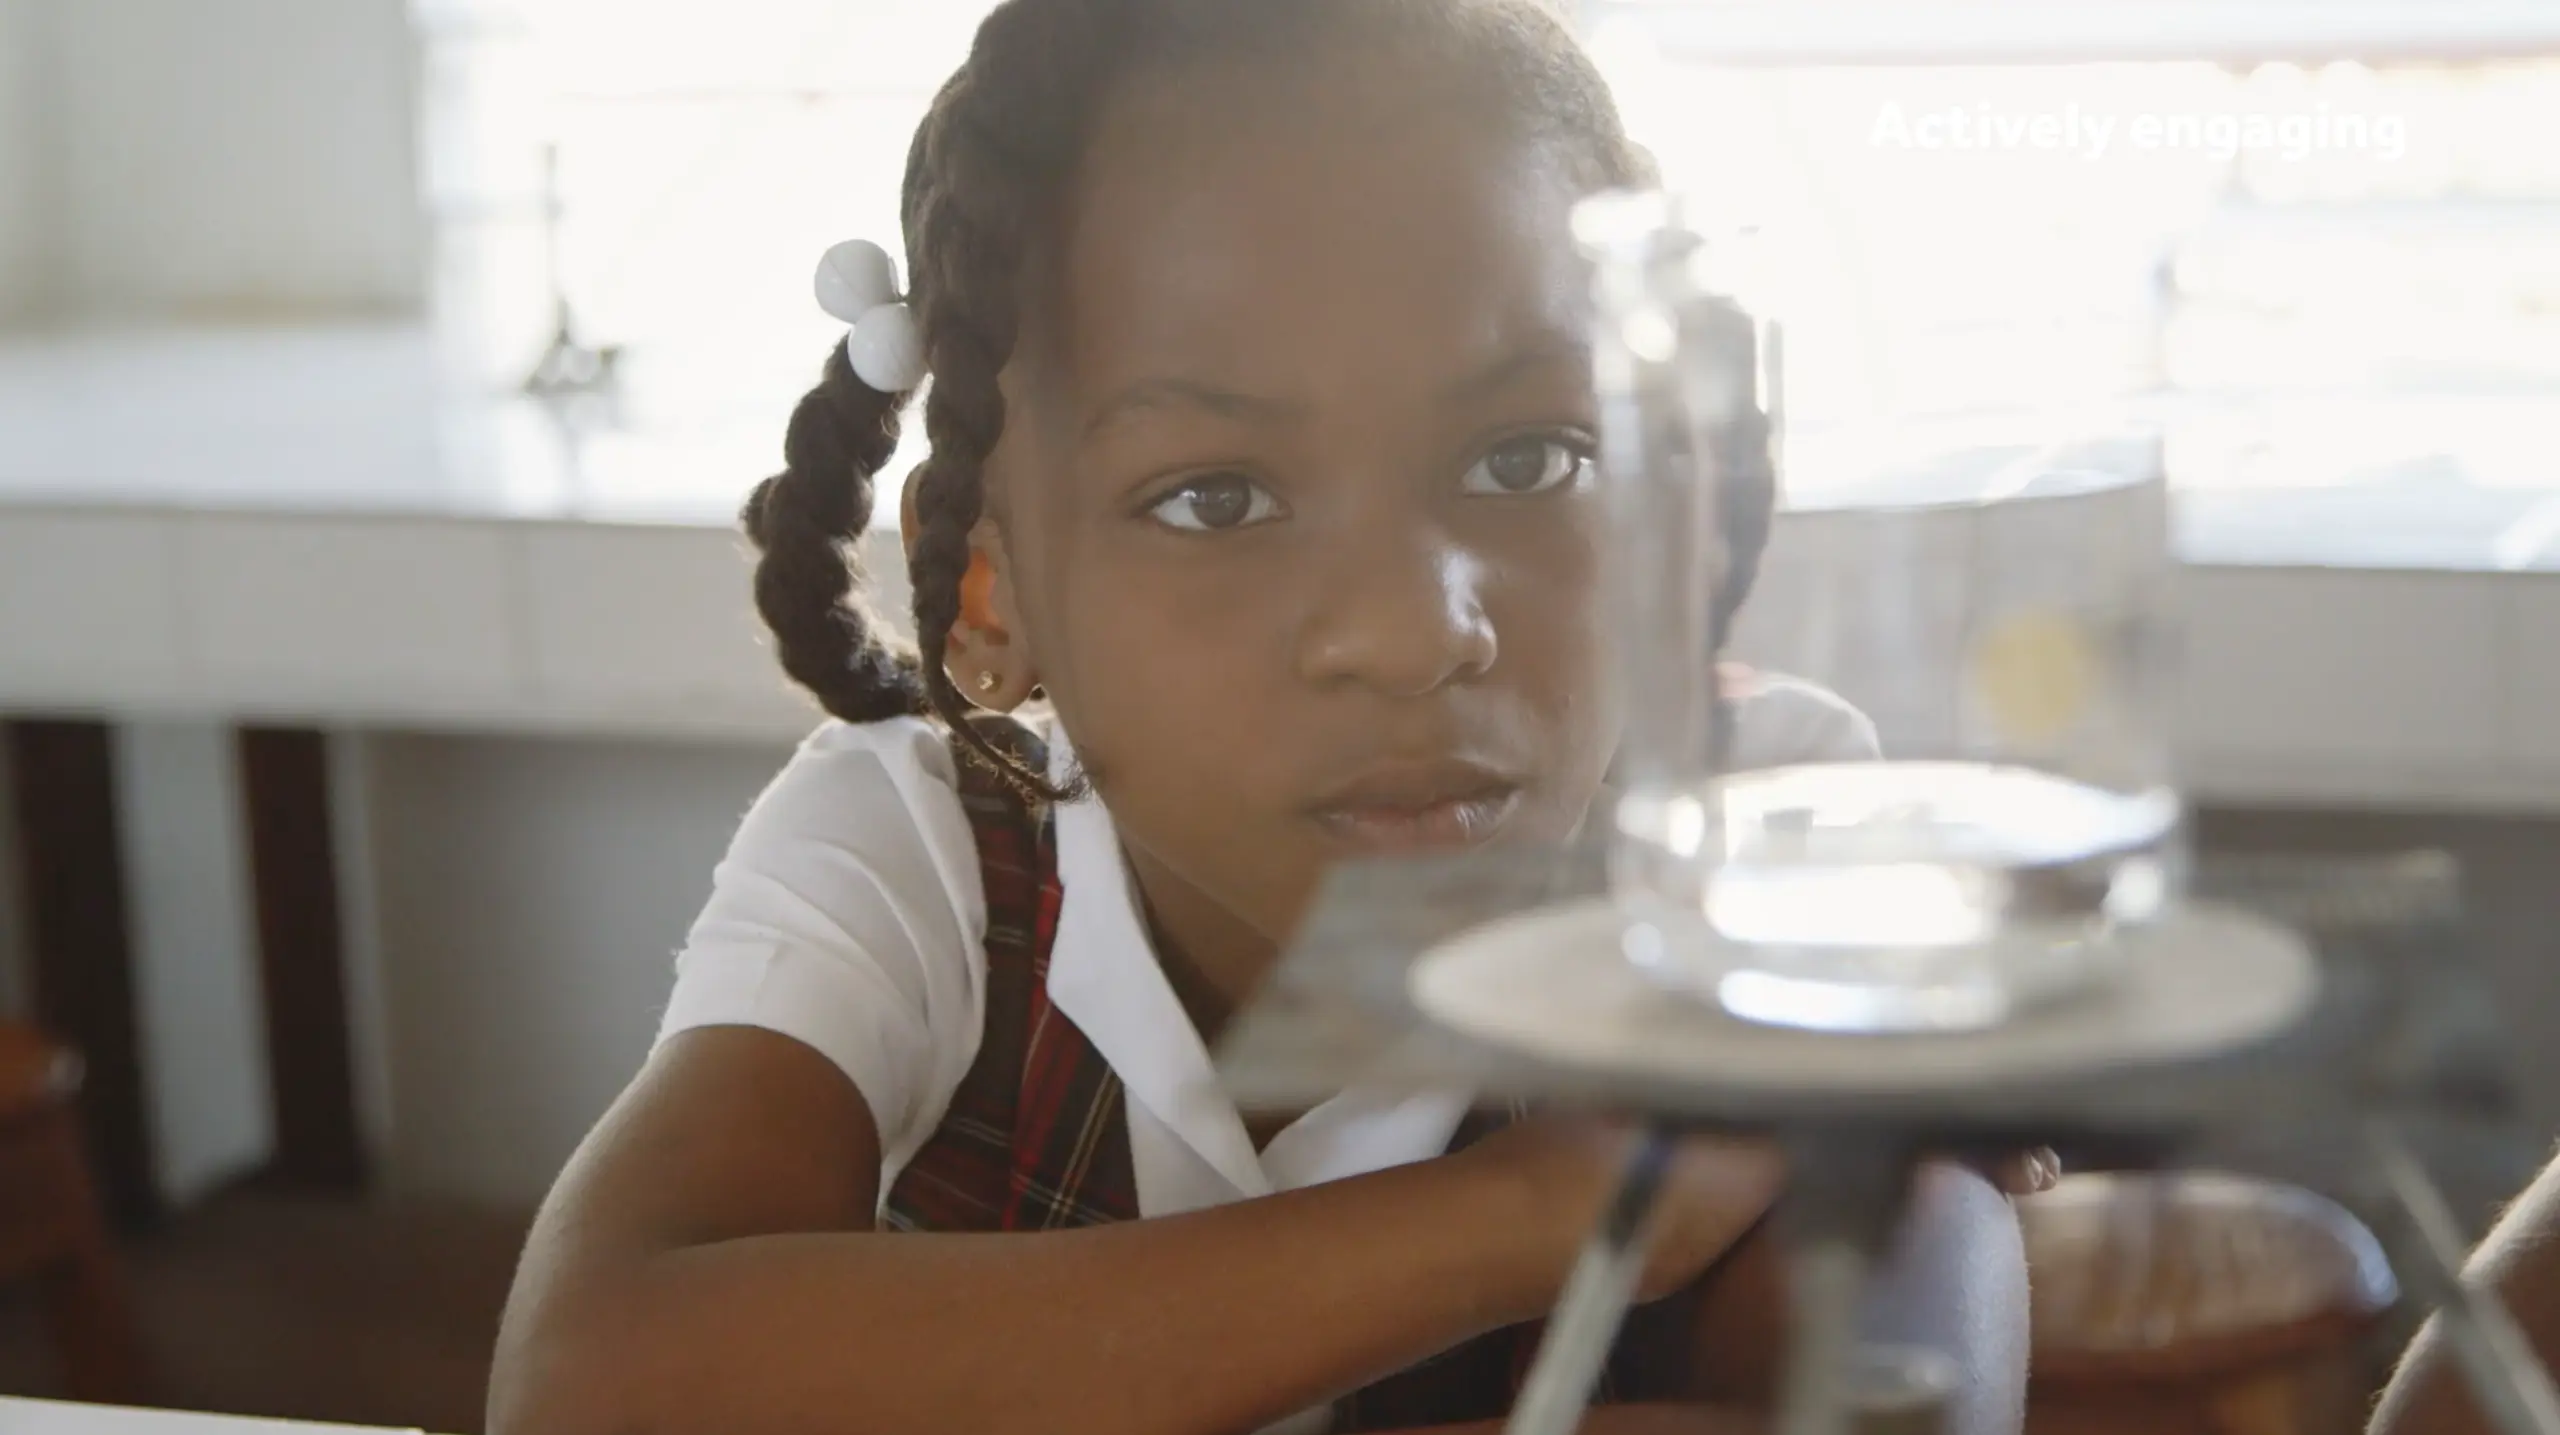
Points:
x=1957, y=1283
x=694, y=1271
x=2520, y=1260
x=1643, y=1420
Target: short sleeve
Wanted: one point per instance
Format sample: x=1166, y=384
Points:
x=849, y=915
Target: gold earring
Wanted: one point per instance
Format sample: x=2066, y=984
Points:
x=988, y=682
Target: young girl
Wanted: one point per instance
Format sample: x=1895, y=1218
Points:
x=1261, y=447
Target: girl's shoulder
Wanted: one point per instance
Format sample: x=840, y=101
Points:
x=910, y=748
x=893, y=796
x=849, y=912
x=915, y=754
x=875, y=788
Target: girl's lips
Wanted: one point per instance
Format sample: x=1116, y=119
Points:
x=1412, y=827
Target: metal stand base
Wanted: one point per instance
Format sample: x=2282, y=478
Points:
x=1502, y=971
x=1596, y=1298
x=1847, y=1195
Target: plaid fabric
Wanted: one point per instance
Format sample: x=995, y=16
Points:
x=1036, y=1137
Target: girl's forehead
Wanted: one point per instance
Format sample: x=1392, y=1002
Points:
x=1259, y=230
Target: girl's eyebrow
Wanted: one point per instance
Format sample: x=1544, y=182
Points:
x=1169, y=393
x=1548, y=352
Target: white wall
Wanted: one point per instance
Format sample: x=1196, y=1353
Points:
x=235, y=159
x=23, y=147
x=198, y=1009
x=531, y=896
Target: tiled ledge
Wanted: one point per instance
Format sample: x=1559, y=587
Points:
x=373, y=574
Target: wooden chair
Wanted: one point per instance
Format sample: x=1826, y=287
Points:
x=52, y=1231
x=2199, y=1305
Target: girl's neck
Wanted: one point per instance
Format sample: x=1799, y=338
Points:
x=1213, y=960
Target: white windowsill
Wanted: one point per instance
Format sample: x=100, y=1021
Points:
x=280, y=527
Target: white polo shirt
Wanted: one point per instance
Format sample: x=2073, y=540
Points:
x=849, y=915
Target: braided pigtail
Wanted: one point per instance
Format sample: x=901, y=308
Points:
x=806, y=522
x=983, y=177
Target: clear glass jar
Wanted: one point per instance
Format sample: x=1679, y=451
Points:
x=1997, y=607
x=1676, y=368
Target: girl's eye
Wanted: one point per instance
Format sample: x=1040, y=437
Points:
x=1215, y=504
x=1531, y=463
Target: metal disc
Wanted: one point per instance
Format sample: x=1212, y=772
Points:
x=1553, y=984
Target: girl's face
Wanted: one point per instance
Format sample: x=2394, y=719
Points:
x=1294, y=508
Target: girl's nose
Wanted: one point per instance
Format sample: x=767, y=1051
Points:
x=1403, y=619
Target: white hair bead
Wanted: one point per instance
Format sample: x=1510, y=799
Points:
x=887, y=349
x=854, y=278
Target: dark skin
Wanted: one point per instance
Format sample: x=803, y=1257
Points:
x=2520, y=1260
x=1291, y=487
x=1373, y=593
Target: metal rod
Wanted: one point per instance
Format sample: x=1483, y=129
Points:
x=1846, y=1189
x=1575, y=1348
x=2512, y=1388
x=1824, y=1282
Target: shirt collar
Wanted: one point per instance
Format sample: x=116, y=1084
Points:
x=1103, y=976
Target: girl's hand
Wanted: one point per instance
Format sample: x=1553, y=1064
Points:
x=2025, y=1173
x=1566, y=1169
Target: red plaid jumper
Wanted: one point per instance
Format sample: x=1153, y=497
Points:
x=1036, y=1137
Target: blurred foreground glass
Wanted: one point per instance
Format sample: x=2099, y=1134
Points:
x=1997, y=609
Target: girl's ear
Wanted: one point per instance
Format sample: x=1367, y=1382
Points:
x=986, y=658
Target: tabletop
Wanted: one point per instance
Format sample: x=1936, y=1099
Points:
x=46, y=1417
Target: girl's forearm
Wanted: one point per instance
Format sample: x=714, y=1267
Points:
x=1211, y=1321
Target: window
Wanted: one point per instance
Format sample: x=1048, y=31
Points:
x=2363, y=244
x=706, y=152
x=2328, y=274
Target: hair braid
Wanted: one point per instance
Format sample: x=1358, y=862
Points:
x=806, y=521
x=991, y=150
